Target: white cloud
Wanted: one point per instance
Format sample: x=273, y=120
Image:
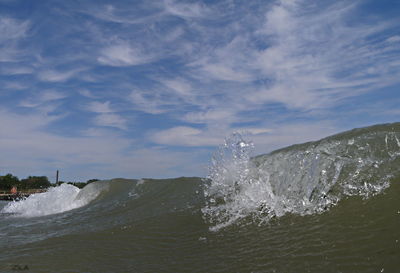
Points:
x=226, y=73
x=179, y=86
x=225, y=116
x=393, y=39
x=316, y=60
x=50, y=95
x=111, y=120
x=12, y=29
x=296, y=56
x=125, y=15
x=86, y=93
x=122, y=54
x=29, y=103
x=230, y=62
x=11, y=32
x=253, y=130
x=311, y=59
x=15, y=70
x=170, y=95
x=174, y=34
x=98, y=132
x=107, y=13
x=153, y=101
x=106, y=115
x=184, y=136
x=51, y=75
x=100, y=107
x=18, y=125
x=12, y=85
x=43, y=97
x=186, y=10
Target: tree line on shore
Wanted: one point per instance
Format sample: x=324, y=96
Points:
x=8, y=181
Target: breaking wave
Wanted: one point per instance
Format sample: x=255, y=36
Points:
x=58, y=199
x=301, y=179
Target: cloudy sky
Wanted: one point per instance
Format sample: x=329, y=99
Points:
x=102, y=89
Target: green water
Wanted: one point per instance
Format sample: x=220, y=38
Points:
x=355, y=236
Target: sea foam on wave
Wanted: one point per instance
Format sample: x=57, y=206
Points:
x=56, y=200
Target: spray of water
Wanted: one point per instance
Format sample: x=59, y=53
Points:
x=303, y=179
x=237, y=187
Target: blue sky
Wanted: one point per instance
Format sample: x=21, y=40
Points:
x=103, y=89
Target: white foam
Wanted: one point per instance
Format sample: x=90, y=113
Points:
x=56, y=200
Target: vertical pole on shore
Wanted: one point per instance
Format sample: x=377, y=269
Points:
x=57, y=177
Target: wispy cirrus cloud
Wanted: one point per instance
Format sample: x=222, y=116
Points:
x=211, y=116
x=316, y=60
x=100, y=107
x=393, y=39
x=123, y=54
x=300, y=56
x=140, y=14
x=181, y=75
x=111, y=120
x=42, y=97
x=13, y=86
x=186, y=10
x=179, y=86
x=52, y=75
x=16, y=70
x=12, y=29
x=309, y=57
x=106, y=116
x=153, y=101
x=184, y=136
x=11, y=32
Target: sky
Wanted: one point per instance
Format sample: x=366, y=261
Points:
x=105, y=89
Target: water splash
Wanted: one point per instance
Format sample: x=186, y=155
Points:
x=237, y=187
x=302, y=179
x=56, y=200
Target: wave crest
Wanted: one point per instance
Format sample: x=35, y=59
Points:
x=301, y=179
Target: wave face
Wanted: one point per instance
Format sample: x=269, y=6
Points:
x=325, y=206
x=301, y=179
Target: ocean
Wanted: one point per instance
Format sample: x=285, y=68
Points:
x=331, y=205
